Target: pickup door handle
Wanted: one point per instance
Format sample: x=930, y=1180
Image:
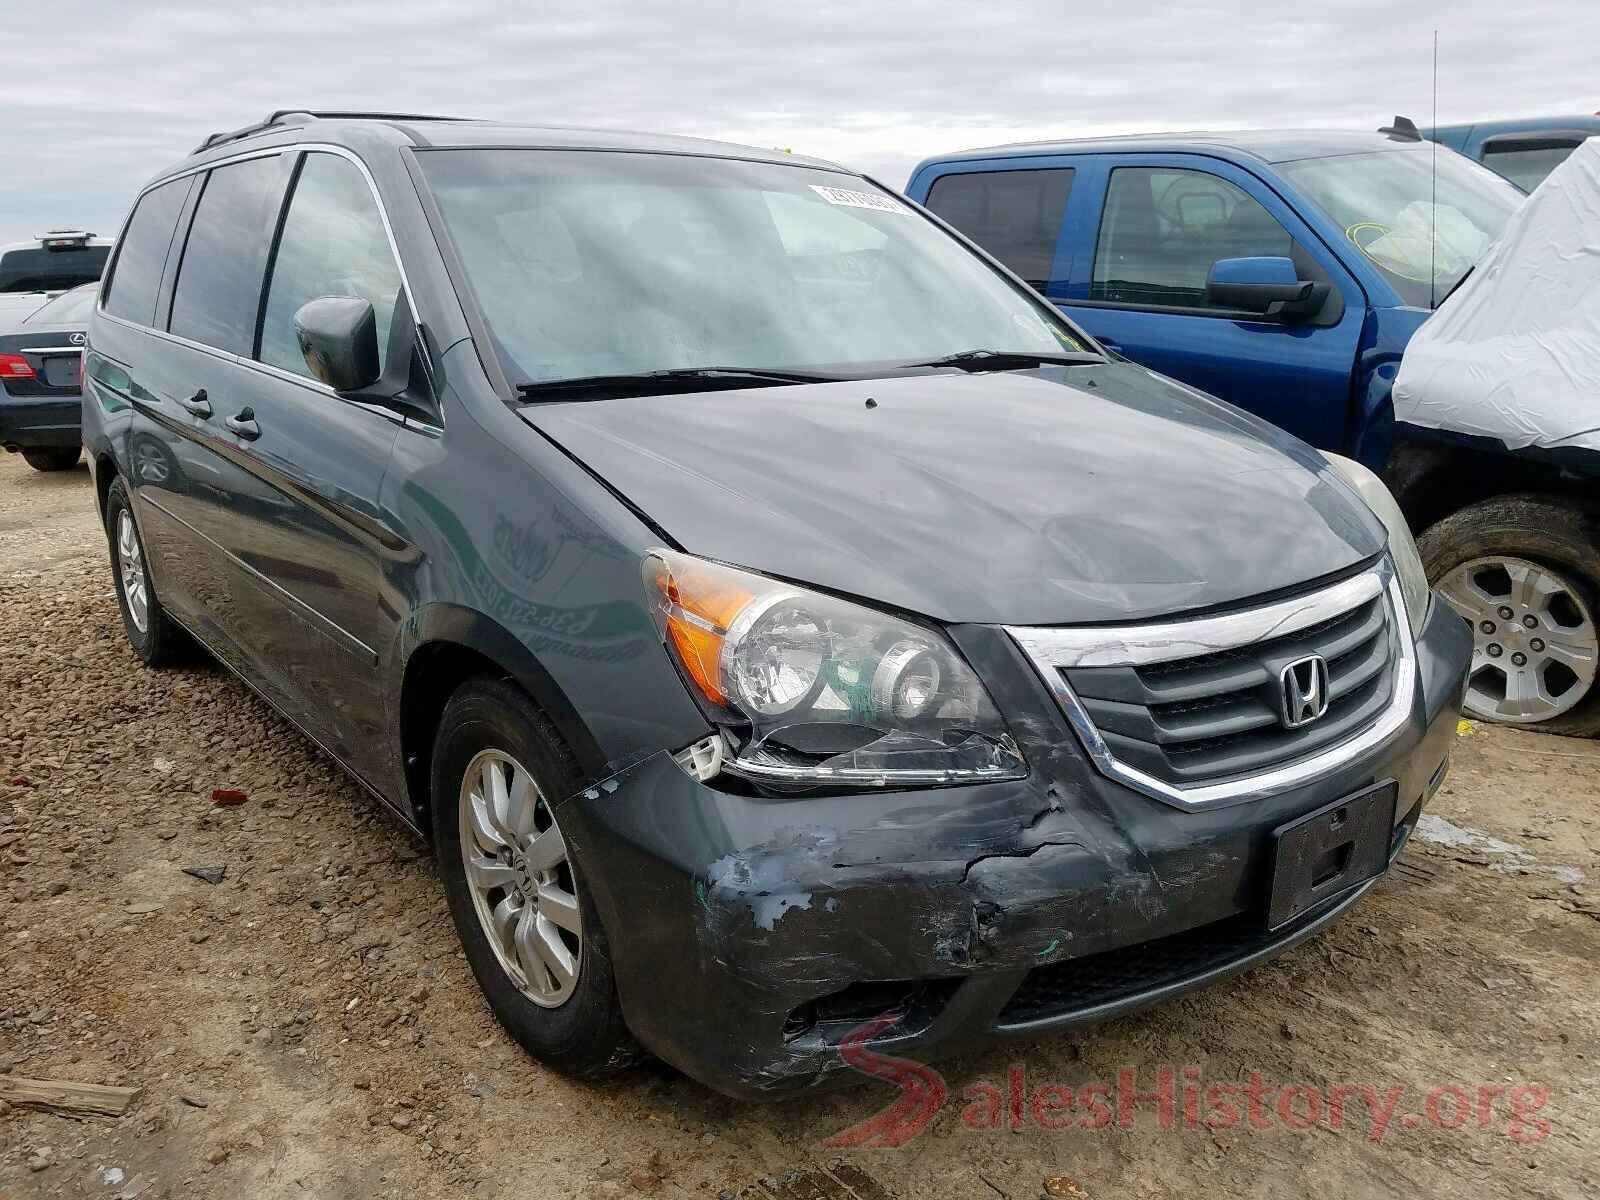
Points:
x=244, y=424
x=198, y=404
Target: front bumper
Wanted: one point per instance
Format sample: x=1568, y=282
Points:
x=29, y=423
x=749, y=936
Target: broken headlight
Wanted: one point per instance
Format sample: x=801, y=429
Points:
x=811, y=690
x=1402, y=546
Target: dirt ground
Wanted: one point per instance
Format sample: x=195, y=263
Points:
x=307, y=1027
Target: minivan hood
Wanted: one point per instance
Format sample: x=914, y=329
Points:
x=1056, y=496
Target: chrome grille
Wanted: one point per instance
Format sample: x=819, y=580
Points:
x=1192, y=711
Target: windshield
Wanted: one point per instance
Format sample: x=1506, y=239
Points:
x=608, y=263
x=1385, y=203
x=43, y=270
x=72, y=308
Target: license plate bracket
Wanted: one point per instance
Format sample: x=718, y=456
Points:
x=61, y=370
x=1327, y=852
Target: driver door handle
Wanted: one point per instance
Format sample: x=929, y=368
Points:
x=198, y=404
x=244, y=424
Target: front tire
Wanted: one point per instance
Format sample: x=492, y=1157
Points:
x=1525, y=571
x=155, y=638
x=530, y=932
x=53, y=459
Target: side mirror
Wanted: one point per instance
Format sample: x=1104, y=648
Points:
x=339, y=337
x=1269, y=286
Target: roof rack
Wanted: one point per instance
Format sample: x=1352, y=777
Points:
x=1403, y=129
x=282, y=116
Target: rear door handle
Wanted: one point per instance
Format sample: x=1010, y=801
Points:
x=198, y=404
x=244, y=424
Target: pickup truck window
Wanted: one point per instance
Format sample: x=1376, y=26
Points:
x=1164, y=227
x=1384, y=202
x=1526, y=161
x=1014, y=215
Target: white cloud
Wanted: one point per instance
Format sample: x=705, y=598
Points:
x=93, y=115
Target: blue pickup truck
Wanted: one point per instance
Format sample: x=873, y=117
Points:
x=1285, y=272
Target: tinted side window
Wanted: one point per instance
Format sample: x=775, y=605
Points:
x=218, y=291
x=333, y=244
x=142, y=255
x=1164, y=227
x=1526, y=163
x=1014, y=215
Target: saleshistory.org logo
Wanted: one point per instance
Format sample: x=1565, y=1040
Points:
x=1178, y=1098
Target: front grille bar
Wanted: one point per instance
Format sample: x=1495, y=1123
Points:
x=1052, y=650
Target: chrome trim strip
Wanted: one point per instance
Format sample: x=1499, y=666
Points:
x=1168, y=641
x=51, y=349
x=1037, y=643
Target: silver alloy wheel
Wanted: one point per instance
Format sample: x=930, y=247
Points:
x=1535, y=649
x=520, y=878
x=130, y=562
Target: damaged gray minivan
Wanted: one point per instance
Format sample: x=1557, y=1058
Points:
x=778, y=617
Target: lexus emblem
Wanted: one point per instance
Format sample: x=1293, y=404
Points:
x=77, y=339
x=1303, y=691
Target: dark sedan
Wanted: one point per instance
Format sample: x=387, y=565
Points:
x=41, y=368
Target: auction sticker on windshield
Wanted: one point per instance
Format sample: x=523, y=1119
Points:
x=850, y=199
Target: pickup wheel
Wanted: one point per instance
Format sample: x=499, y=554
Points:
x=63, y=459
x=516, y=890
x=1525, y=571
x=155, y=638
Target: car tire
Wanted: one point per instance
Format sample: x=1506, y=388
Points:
x=53, y=459
x=1537, y=558
x=154, y=636
x=576, y=1027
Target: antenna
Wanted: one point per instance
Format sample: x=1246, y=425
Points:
x=1433, y=233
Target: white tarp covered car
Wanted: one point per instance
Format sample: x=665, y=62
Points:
x=1511, y=362
x=1514, y=354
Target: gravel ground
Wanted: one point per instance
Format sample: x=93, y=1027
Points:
x=307, y=1027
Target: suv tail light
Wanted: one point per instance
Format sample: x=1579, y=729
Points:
x=14, y=366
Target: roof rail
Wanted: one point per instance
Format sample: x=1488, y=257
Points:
x=281, y=116
x=1404, y=129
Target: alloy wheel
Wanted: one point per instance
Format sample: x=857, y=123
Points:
x=130, y=562
x=520, y=878
x=1535, y=650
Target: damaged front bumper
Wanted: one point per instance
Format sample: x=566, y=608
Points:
x=750, y=935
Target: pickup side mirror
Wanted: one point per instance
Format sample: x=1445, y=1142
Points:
x=339, y=337
x=1268, y=286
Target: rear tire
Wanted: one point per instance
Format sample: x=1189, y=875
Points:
x=573, y=1024
x=154, y=636
x=1537, y=558
x=53, y=459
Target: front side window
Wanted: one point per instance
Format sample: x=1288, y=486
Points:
x=130, y=293
x=1424, y=217
x=592, y=263
x=1014, y=215
x=218, y=292
x=1526, y=161
x=333, y=244
x=1164, y=227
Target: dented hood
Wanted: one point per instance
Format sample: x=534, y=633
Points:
x=1061, y=495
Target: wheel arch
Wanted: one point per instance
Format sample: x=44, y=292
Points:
x=449, y=645
x=1434, y=480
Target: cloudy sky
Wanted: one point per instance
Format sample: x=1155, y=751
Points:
x=106, y=93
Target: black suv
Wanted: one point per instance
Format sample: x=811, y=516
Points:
x=782, y=622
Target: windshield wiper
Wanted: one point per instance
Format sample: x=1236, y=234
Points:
x=681, y=379
x=1007, y=360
